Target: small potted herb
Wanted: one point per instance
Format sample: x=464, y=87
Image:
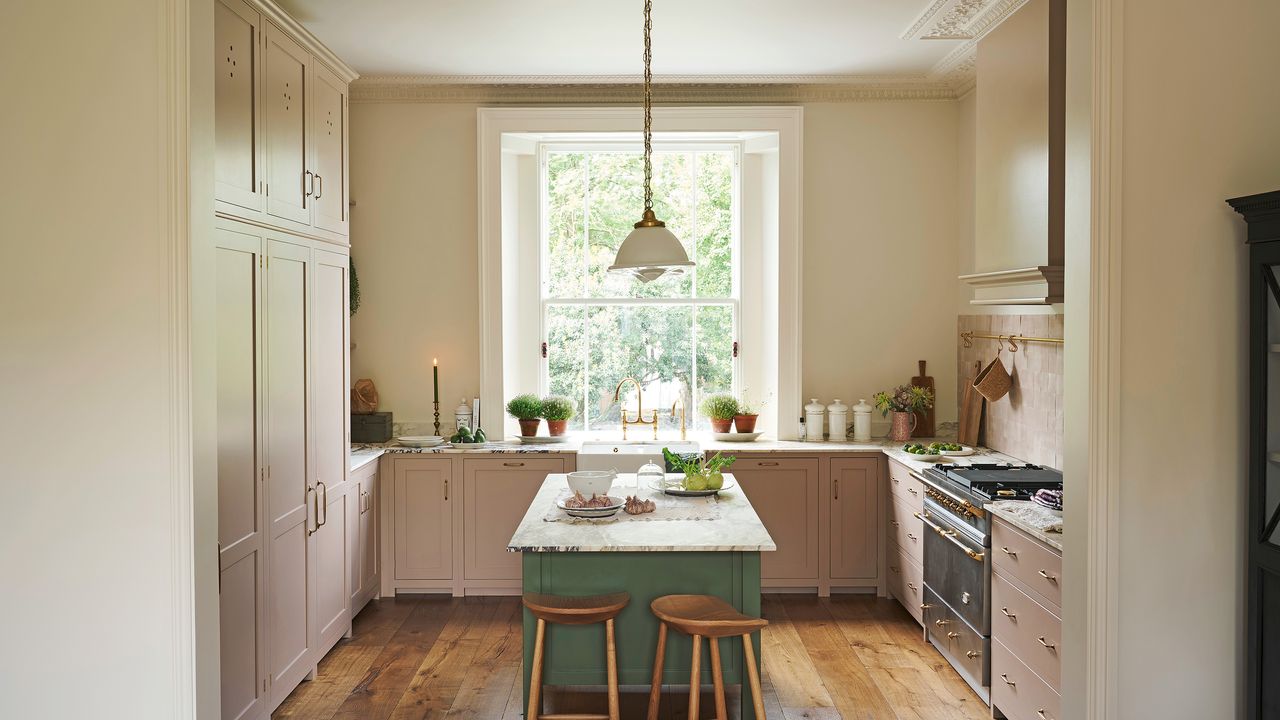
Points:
x=744, y=421
x=901, y=405
x=527, y=409
x=720, y=409
x=557, y=411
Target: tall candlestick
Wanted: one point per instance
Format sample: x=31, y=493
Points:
x=435, y=377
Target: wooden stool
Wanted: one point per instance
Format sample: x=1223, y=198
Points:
x=710, y=617
x=567, y=610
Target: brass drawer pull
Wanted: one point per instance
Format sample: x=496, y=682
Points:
x=926, y=606
x=912, y=491
x=766, y=464
x=1040, y=714
x=1009, y=552
x=896, y=481
x=894, y=569
x=895, y=523
x=446, y=489
x=1011, y=616
x=972, y=654
x=1051, y=578
x=942, y=623
x=1047, y=645
x=953, y=635
x=911, y=587
x=1008, y=682
x=513, y=464
x=912, y=537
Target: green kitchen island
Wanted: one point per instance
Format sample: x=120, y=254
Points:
x=704, y=546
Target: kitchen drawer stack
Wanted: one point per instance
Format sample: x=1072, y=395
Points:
x=1026, y=626
x=905, y=556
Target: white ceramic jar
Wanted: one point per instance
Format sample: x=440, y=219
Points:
x=837, y=421
x=462, y=414
x=815, y=419
x=862, y=421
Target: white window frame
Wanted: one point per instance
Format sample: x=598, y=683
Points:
x=733, y=300
x=773, y=142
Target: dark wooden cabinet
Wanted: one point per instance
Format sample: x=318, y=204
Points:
x=1262, y=212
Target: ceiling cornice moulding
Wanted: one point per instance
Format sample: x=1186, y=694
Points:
x=960, y=19
x=403, y=89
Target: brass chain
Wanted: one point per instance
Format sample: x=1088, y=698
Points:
x=648, y=111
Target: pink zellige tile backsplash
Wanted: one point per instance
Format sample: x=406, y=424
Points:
x=1026, y=423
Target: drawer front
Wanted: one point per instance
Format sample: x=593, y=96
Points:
x=952, y=636
x=905, y=579
x=1017, y=692
x=904, y=485
x=906, y=530
x=1037, y=567
x=1029, y=630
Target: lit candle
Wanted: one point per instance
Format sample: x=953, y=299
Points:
x=435, y=377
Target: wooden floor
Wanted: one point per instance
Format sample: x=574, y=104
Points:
x=420, y=657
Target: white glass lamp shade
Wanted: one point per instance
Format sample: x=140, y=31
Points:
x=650, y=252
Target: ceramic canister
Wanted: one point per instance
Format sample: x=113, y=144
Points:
x=462, y=414
x=814, y=419
x=837, y=421
x=862, y=421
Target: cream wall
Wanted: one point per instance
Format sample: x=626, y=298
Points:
x=94, y=545
x=879, y=253
x=1198, y=127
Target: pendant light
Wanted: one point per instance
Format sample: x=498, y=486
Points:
x=651, y=250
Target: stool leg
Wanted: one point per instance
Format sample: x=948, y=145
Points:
x=695, y=677
x=721, y=712
x=611, y=657
x=535, y=680
x=655, y=688
x=753, y=673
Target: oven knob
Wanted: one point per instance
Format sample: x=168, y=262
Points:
x=965, y=598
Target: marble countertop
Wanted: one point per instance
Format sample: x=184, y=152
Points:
x=737, y=529
x=1004, y=509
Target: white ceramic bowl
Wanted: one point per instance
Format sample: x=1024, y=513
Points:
x=592, y=482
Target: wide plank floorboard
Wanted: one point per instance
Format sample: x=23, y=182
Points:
x=420, y=657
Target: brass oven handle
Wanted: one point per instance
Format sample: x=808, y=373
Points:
x=950, y=535
x=1047, y=645
x=1051, y=578
x=955, y=503
x=1011, y=616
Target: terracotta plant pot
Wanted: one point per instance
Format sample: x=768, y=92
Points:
x=721, y=426
x=556, y=427
x=902, y=425
x=745, y=423
x=529, y=428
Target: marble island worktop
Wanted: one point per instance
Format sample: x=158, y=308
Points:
x=733, y=527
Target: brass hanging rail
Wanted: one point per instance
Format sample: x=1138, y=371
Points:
x=1013, y=340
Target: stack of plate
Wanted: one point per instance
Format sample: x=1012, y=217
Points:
x=615, y=504
x=420, y=441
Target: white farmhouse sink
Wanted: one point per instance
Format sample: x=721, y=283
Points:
x=627, y=457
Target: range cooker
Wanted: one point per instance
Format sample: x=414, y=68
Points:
x=957, y=559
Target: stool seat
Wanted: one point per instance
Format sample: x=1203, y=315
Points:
x=704, y=615
x=575, y=610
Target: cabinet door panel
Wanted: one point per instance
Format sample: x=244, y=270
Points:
x=288, y=493
x=333, y=603
x=423, y=518
x=855, y=518
x=784, y=493
x=285, y=126
x=240, y=622
x=240, y=536
x=236, y=57
x=328, y=142
x=498, y=494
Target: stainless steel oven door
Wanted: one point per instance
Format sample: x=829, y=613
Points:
x=957, y=568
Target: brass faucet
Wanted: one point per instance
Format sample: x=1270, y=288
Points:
x=622, y=411
x=679, y=403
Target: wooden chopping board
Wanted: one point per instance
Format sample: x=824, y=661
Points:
x=926, y=420
x=971, y=410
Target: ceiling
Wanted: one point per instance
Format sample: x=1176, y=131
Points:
x=575, y=41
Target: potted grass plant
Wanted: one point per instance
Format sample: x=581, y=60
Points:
x=720, y=409
x=744, y=421
x=557, y=411
x=900, y=405
x=527, y=409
